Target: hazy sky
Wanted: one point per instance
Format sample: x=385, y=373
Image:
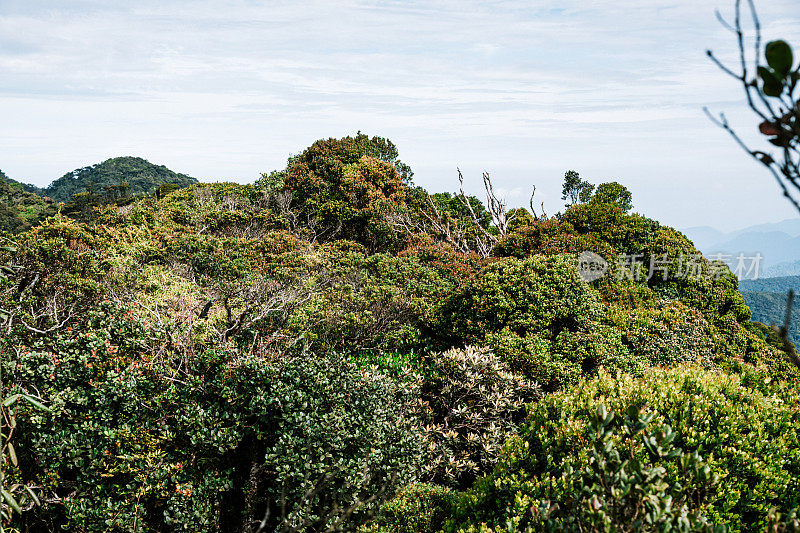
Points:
x=224, y=90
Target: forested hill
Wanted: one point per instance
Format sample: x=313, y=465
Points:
x=767, y=299
x=781, y=284
x=19, y=185
x=331, y=346
x=141, y=176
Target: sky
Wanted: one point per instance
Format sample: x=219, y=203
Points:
x=226, y=90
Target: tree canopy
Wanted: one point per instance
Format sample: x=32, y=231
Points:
x=140, y=175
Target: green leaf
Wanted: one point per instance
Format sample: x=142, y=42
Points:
x=32, y=495
x=779, y=57
x=36, y=403
x=11, y=501
x=771, y=84
x=11, y=399
x=12, y=454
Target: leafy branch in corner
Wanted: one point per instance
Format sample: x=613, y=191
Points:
x=770, y=90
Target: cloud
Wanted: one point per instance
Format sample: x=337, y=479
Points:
x=230, y=88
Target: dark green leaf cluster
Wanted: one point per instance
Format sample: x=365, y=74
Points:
x=778, y=75
x=311, y=440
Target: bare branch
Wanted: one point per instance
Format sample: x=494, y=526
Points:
x=775, y=112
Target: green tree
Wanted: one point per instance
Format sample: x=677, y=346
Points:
x=575, y=190
x=342, y=189
x=615, y=194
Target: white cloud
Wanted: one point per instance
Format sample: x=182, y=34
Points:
x=227, y=89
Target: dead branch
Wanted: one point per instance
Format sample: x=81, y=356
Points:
x=472, y=235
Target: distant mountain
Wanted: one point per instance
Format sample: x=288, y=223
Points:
x=781, y=285
x=141, y=176
x=775, y=246
x=767, y=300
x=704, y=236
x=20, y=207
x=786, y=268
x=789, y=226
x=778, y=243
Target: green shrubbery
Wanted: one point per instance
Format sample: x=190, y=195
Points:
x=683, y=447
x=474, y=404
x=336, y=340
x=542, y=319
x=668, y=333
x=20, y=208
x=418, y=508
x=519, y=306
x=210, y=449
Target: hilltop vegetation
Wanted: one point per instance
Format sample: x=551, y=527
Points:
x=20, y=207
x=133, y=175
x=115, y=181
x=333, y=348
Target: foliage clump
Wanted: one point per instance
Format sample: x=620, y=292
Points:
x=20, y=207
x=418, y=508
x=678, y=448
x=331, y=345
x=314, y=440
x=475, y=403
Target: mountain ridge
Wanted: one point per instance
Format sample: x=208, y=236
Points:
x=777, y=242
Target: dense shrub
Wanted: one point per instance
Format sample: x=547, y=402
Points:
x=540, y=317
x=475, y=403
x=669, y=333
x=600, y=347
x=369, y=302
x=626, y=234
x=340, y=189
x=549, y=236
x=679, y=276
x=610, y=488
x=418, y=508
x=685, y=445
x=130, y=448
x=539, y=294
x=344, y=440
